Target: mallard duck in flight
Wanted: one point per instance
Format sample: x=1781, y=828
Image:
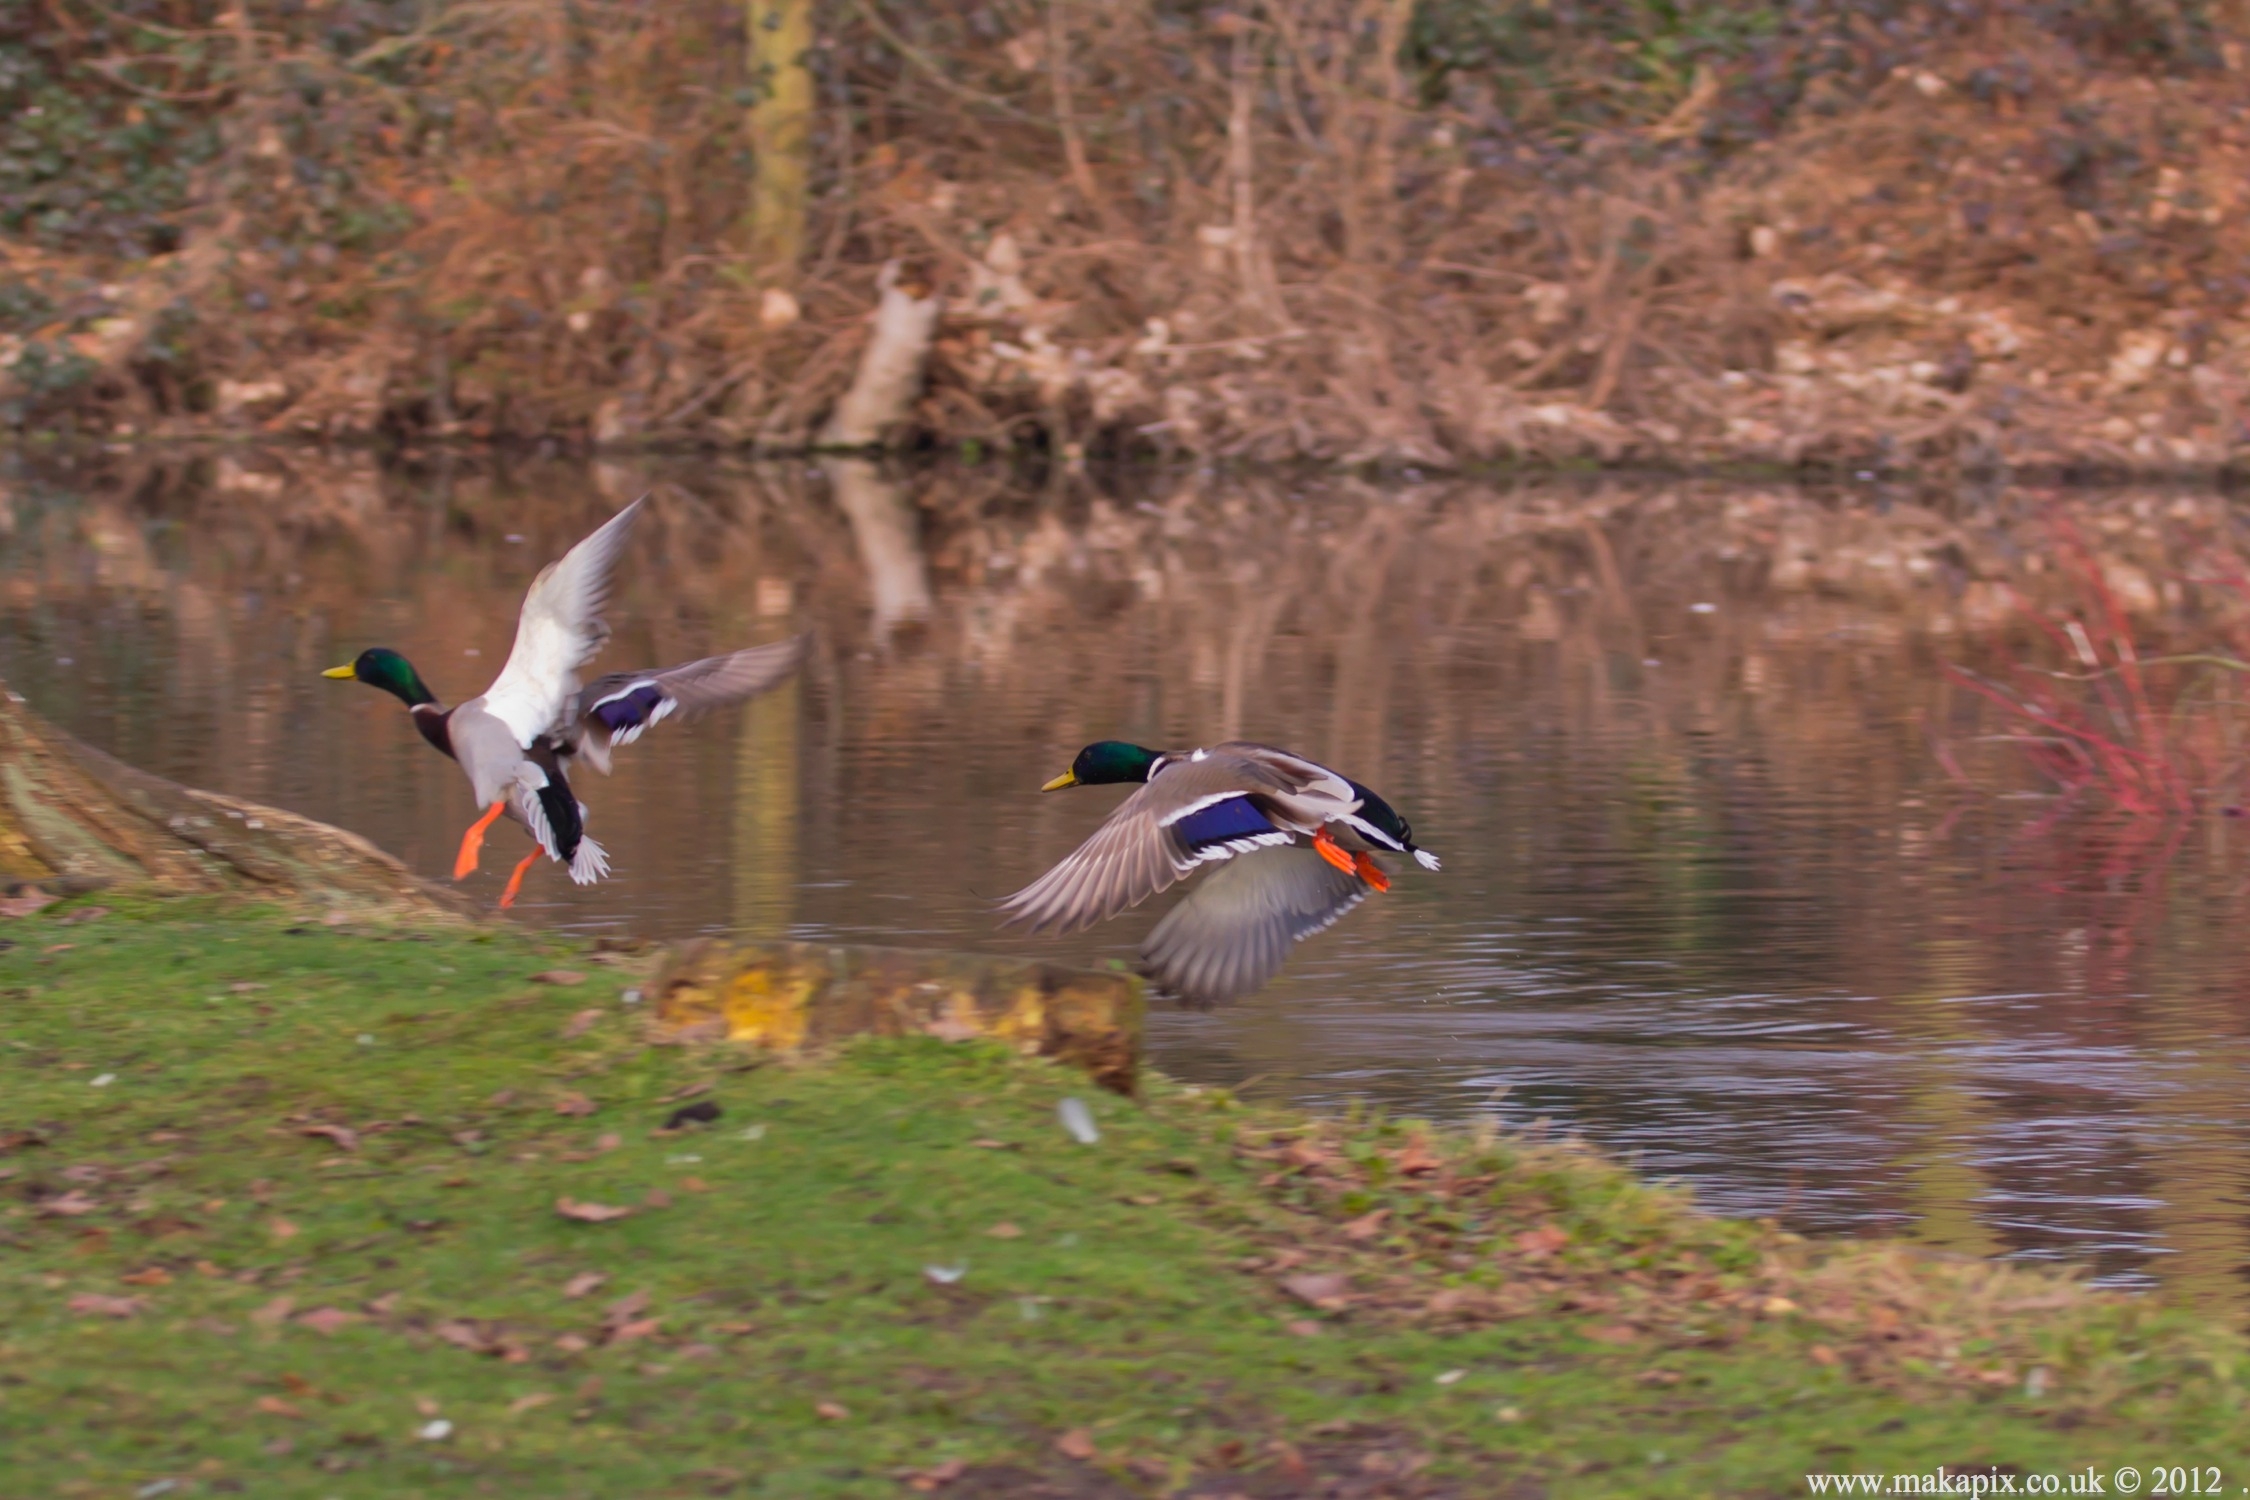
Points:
x=513, y=740
x=1300, y=840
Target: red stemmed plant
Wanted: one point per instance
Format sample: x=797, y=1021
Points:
x=2144, y=737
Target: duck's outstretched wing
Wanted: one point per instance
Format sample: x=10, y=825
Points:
x=613, y=710
x=1195, y=809
x=1234, y=930
x=558, y=632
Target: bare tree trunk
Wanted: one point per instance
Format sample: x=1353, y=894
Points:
x=781, y=35
x=889, y=379
x=74, y=819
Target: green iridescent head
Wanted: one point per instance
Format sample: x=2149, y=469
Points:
x=378, y=666
x=1105, y=762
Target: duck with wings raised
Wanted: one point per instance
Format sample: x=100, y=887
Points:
x=514, y=740
x=1265, y=814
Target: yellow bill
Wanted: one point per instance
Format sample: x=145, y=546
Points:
x=1067, y=778
x=344, y=673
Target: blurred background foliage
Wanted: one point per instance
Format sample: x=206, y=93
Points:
x=515, y=216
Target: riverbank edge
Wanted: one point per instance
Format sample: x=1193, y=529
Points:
x=1293, y=1254
x=217, y=441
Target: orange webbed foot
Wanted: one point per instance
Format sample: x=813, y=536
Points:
x=465, y=863
x=1372, y=873
x=1334, y=852
x=515, y=881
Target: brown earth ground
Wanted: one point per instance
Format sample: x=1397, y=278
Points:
x=1983, y=236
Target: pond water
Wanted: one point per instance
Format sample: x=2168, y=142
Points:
x=1711, y=898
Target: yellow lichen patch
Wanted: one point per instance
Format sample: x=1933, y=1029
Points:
x=792, y=996
x=767, y=1005
x=1025, y=1019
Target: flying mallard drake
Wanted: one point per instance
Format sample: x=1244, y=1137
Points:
x=1299, y=840
x=513, y=740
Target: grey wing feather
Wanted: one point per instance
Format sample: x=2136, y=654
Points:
x=1135, y=854
x=615, y=708
x=1234, y=932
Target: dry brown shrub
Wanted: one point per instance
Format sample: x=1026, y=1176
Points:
x=1266, y=232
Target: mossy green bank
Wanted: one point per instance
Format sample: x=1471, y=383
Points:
x=282, y=1212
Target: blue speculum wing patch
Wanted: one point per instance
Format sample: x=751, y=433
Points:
x=1222, y=823
x=629, y=708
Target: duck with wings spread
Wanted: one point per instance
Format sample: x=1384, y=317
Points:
x=1295, y=843
x=514, y=741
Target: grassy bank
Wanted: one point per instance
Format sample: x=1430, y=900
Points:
x=1857, y=233
x=304, y=1209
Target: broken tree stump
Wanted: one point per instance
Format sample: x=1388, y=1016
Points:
x=74, y=819
x=791, y=997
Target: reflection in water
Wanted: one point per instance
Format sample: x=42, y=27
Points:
x=1708, y=896
x=766, y=869
x=889, y=537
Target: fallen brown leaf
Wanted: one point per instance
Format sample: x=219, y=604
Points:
x=1822, y=1354
x=1416, y=1159
x=1545, y=1240
x=1614, y=1333
x=829, y=1411
x=466, y=1335
x=1366, y=1226
x=584, y=1284
x=589, y=1213
x=936, y=1477
x=656, y=1198
x=564, y=977
x=640, y=1328
x=1304, y=1328
x=69, y=1206
x=608, y=1140
x=153, y=1276
x=381, y=1306
x=342, y=1135
x=274, y=1406
x=1005, y=1231
x=31, y=899
x=578, y=1025
x=571, y=1343
x=574, y=1104
x=1077, y=1443
x=326, y=1320
x=274, y=1312
x=986, y=1143
x=282, y=1229
x=94, y=1304
x=522, y=1404
x=1324, y=1291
